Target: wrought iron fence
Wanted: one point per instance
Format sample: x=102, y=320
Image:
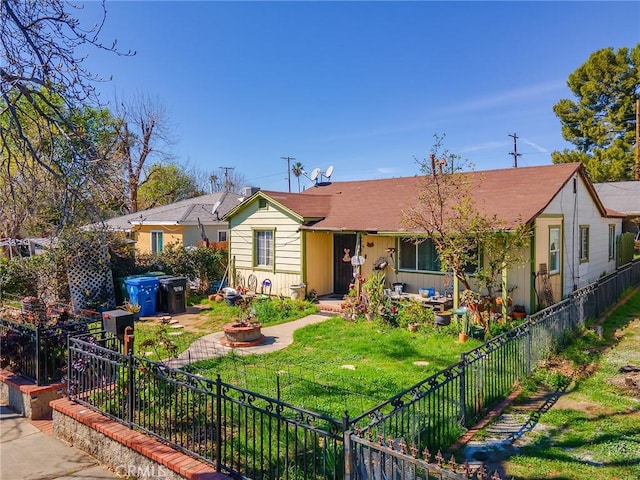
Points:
x=381, y=461
x=234, y=429
x=38, y=351
x=433, y=412
x=247, y=434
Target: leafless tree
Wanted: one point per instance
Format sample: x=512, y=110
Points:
x=228, y=180
x=43, y=87
x=145, y=138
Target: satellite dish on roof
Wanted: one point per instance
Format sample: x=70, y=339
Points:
x=314, y=174
x=329, y=172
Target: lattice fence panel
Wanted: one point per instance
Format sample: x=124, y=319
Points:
x=91, y=281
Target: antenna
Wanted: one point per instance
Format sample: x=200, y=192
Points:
x=314, y=174
x=329, y=172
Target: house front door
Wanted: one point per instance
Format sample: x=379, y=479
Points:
x=344, y=246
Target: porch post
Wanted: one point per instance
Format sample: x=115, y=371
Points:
x=504, y=293
x=456, y=291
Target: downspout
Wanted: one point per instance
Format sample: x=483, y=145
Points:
x=303, y=257
x=533, y=297
x=358, y=266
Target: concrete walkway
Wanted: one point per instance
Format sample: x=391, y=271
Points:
x=277, y=338
x=27, y=453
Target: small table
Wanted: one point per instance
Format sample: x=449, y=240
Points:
x=438, y=304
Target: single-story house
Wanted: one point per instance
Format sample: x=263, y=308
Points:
x=310, y=237
x=187, y=222
x=623, y=197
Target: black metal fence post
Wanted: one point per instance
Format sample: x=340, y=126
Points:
x=69, y=367
x=218, y=423
x=528, y=344
x=346, y=439
x=37, y=355
x=463, y=393
x=130, y=385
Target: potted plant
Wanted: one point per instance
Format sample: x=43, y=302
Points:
x=518, y=312
x=464, y=326
x=245, y=331
x=472, y=300
x=132, y=308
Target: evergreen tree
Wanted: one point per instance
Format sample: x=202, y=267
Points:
x=601, y=121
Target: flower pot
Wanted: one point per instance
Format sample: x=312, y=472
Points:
x=443, y=318
x=518, y=315
x=242, y=334
x=462, y=337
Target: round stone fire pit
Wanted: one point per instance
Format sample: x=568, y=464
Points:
x=242, y=334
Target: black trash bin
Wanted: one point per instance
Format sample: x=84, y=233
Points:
x=174, y=294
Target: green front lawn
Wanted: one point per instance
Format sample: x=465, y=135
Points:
x=338, y=365
x=156, y=341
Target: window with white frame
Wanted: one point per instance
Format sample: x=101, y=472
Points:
x=157, y=241
x=222, y=235
x=612, y=242
x=584, y=243
x=263, y=241
x=554, y=249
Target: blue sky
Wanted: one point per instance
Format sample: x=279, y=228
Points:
x=362, y=86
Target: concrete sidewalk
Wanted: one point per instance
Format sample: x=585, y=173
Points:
x=277, y=338
x=27, y=453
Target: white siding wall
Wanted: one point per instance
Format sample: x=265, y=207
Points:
x=580, y=209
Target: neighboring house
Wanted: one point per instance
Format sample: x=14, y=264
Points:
x=187, y=222
x=623, y=197
x=309, y=237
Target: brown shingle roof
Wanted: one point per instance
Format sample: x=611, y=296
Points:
x=307, y=207
x=514, y=195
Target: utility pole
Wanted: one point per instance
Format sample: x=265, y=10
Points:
x=227, y=183
x=515, y=150
x=637, y=177
x=288, y=159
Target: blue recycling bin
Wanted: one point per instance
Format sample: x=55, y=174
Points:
x=143, y=291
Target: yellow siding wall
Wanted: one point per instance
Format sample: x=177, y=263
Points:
x=171, y=234
x=287, y=245
x=542, y=252
x=373, y=247
x=319, y=262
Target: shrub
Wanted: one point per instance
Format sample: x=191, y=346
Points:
x=195, y=263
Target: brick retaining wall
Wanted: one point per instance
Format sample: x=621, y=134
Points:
x=125, y=451
x=27, y=398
